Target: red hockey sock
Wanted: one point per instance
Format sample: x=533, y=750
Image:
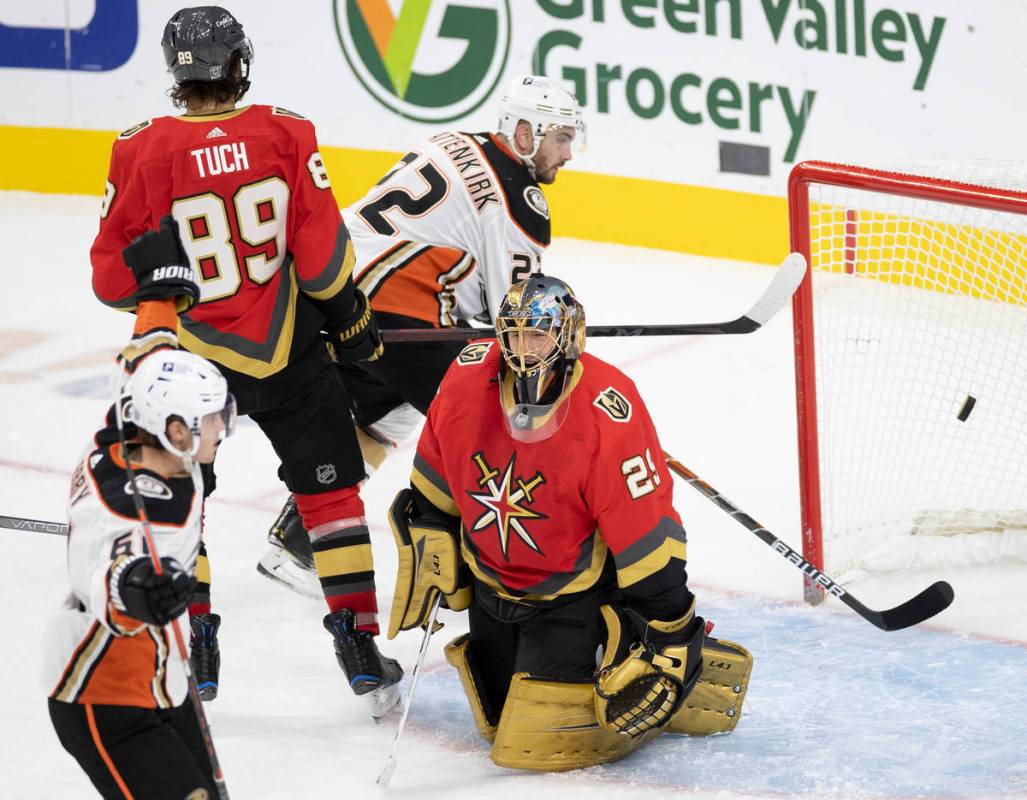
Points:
x=342, y=552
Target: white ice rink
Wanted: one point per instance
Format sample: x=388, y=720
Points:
x=836, y=708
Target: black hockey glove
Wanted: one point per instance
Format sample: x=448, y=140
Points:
x=154, y=599
x=355, y=338
x=161, y=267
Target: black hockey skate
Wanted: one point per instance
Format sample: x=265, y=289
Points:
x=204, y=653
x=370, y=674
x=290, y=561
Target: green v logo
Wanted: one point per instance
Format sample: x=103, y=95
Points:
x=403, y=52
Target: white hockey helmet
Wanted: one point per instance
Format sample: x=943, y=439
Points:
x=176, y=383
x=544, y=104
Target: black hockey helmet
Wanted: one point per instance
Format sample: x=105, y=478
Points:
x=199, y=42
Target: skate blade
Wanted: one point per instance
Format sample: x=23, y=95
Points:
x=382, y=701
x=280, y=568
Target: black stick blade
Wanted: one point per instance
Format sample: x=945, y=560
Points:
x=932, y=600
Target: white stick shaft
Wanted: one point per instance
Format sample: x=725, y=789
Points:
x=386, y=774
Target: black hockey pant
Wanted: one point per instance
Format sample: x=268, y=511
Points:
x=132, y=752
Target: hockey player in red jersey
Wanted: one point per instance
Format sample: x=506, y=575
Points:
x=438, y=241
x=250, y=231
x=117, y=698
x=541, y=502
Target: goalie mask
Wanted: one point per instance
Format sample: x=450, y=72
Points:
x=541, y=332
x=175, y=384
x=198, y=44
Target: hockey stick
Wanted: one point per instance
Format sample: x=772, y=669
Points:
x=194, y=694
x=786, y=280
x=34, y=525
x=386, y=774
x=932, y=600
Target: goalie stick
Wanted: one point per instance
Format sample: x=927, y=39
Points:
x=176, y=629
x=786, y=280
x=932, y=600
x=34, y=525
x=386, y=774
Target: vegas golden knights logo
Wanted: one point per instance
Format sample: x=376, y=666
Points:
x=507, y=499
x=614, y=404
x=474, y=353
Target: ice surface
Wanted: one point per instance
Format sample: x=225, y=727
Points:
x=836, y=709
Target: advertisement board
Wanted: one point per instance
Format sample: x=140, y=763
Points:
x=696, y=109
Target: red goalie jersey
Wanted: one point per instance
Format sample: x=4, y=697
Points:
x=257, y=219
x=540, y=519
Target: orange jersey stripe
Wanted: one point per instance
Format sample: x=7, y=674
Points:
x=124, y=675
x=416, y=281
x=105, y=755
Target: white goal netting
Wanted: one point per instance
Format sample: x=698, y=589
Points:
x=920, y=338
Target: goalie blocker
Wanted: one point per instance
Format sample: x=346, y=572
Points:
x=552, y=496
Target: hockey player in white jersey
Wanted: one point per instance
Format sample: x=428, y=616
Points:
x=117, y=701
x=438, y=241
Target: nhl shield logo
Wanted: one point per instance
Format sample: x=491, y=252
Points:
x=474, y=353
x=614, y=404
x=326, y=473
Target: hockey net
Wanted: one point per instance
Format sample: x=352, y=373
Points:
x=911, y=366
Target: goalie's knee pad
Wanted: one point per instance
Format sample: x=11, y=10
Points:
x=715, y=704
x=458, y=654
x=429, y=564
x=551, y=726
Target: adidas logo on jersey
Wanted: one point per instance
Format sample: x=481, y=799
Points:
x=215, y=133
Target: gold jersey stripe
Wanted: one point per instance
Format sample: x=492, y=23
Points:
x=438, y=498
x=652, y=563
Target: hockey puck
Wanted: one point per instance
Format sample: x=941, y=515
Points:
x=968, y=406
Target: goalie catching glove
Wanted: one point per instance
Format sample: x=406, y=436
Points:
x=429, y=564
x=161, y=267
x=356, y=337
x=642, y=683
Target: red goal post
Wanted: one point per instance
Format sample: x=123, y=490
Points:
x=900, y=264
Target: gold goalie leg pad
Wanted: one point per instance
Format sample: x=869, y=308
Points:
x=458, y=655
x=715, y=703
x=550, y=726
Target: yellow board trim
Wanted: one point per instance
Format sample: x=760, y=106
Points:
x=668, y=216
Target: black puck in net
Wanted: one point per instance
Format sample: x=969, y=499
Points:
x=968, y=406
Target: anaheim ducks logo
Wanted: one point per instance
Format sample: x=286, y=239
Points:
x=506, y=502
x=474, y=353
x=614, y=404
x=150, y=487
x=537, y=201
